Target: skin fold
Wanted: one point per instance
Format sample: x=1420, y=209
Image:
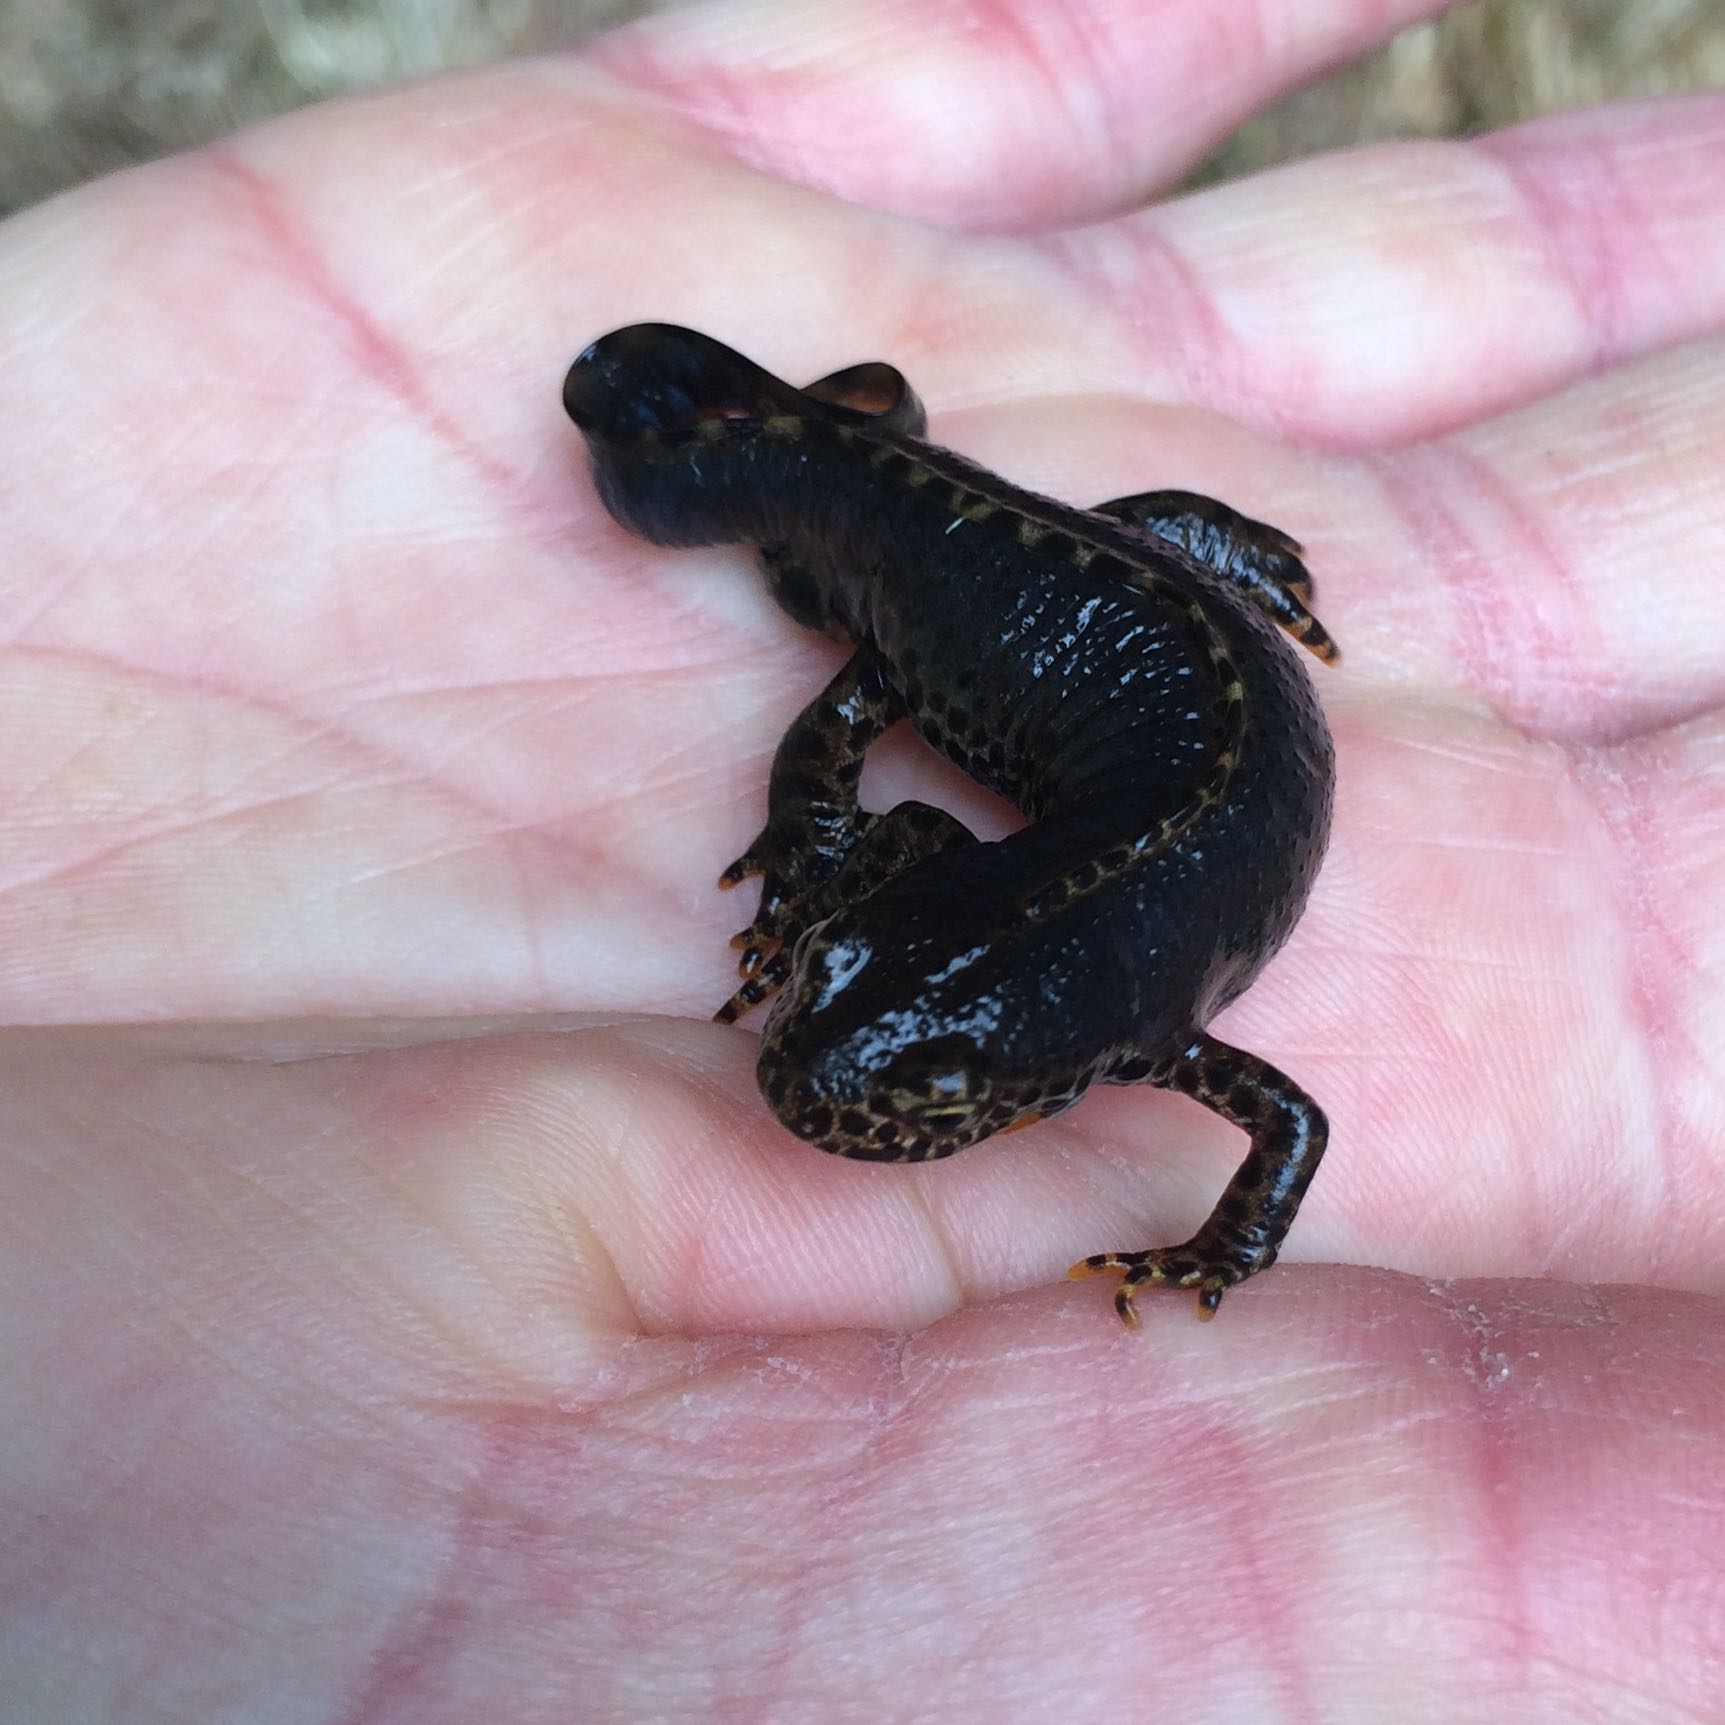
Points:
x=409, y=1310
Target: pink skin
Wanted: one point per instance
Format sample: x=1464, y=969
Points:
x=428, y=1379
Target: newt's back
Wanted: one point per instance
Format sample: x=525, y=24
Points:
x=1125, y=676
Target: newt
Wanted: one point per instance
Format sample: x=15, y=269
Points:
x=1127, y=676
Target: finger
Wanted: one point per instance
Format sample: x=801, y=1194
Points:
x=1381, y=295
x=668, y=1186
x=936, y=110
x=315, y=1281
x=635, y=1169
x=1392, y=293
x=1561, y=561
x=1555, y=564
x=1239, y=1523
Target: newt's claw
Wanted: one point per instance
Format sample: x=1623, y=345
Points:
x=1165, y=1268
x=754, y=944
x=741, y=870
x=762, y=983
x=755, y=956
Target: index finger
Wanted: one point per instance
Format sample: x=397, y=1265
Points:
x=993, y=114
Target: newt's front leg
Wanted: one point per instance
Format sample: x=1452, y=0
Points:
x=1259, y=559
x=906, y=834
x=1246, y=1229
x=813, y=818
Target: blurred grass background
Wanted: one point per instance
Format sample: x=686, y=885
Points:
x=87, y=85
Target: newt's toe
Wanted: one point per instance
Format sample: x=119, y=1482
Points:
x=758, y=985
x=1171, y=1266
x=744, y=868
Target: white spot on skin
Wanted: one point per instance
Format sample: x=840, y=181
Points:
x=845, y=961
x=1049, y=656
x=896, y=1030
x=954, y=525
x=963, y=962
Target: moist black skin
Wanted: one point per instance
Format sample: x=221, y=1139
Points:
x=1126, y=675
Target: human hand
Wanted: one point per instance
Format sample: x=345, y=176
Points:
x=387, y=1282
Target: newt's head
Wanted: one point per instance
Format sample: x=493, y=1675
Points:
x=656, y=379
x=693, y=444
x=907, y=1048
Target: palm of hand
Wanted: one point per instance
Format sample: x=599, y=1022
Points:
x=345, y=728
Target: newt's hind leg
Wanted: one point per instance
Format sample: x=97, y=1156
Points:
x=1259, y=558
x=889, y=844
x=1246, y=1229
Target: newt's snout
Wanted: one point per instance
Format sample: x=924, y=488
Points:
x=658, y=377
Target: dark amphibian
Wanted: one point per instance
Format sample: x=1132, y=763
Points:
x=1124, y=675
